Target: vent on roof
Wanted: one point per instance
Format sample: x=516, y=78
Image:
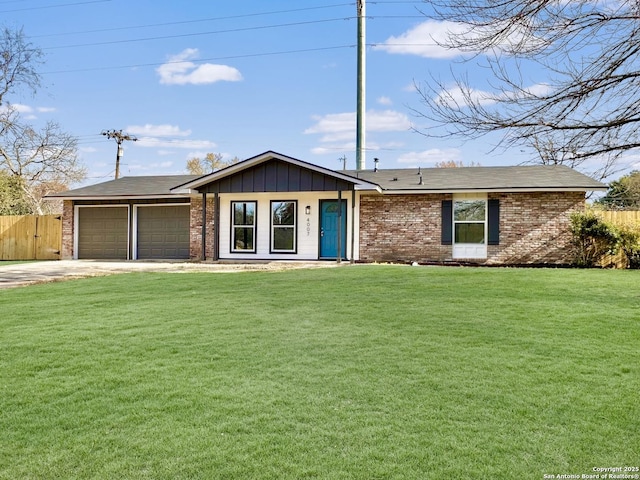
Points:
x=419, y=172
x=420, y=182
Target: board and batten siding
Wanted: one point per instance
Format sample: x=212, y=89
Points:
x=308, y=226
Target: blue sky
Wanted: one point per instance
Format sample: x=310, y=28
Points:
x=237, y=78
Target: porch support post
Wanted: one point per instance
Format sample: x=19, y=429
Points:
x=216, y=227
x=203, y=255
x=339, y=255
x=353, y=226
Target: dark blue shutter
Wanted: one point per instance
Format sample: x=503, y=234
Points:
x=447, y=222
x=494, y=221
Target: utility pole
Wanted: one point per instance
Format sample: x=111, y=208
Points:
x=119, y=137
x=360, y=113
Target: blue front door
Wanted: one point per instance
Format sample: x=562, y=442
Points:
x=329, y=215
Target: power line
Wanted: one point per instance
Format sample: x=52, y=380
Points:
x=230, y=57
x=54, y=6
x=184, y=22
x=183, y=35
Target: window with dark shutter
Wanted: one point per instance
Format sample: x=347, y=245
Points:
x=447, y=222
x=493, y=218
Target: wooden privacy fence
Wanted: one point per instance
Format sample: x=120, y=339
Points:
x=618, y=217
x=30, y=237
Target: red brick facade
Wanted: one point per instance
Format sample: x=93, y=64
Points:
x=534, y=228
x=67, y=230
x=195, y=231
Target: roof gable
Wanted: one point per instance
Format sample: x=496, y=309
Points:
x=274, y=172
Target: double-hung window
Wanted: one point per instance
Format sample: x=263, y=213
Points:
x=469, y=217
x=243, y=228
x=283, y=226
x=469, y=226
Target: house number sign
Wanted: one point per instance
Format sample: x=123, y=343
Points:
x=308, y=226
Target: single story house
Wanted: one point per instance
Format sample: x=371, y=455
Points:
x=274, y=207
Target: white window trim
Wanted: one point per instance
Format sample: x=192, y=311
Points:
x=470, y=250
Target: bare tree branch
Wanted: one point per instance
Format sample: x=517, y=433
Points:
x=586, y=109
x=38, y=160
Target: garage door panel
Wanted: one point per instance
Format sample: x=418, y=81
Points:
x=103, y=233
x=163, y=232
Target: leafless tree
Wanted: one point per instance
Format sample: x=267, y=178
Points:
x=210, y=163
x=586, y=110
x=44, y=159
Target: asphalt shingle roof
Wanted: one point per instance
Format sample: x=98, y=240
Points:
x=143, y=186
x=533, y=177
x=478, y=178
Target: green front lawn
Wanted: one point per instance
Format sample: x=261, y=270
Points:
x=359, y=372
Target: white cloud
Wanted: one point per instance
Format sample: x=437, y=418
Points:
x=18, y=107
x=338, y=130
x=149, y=167
x=164, y=130
x=46, y=109
x=426, y=40
x=432, y=156
x=333, y=122
x=423, y=39
x=456, y=98
x=179, y=70
x=384, y=101
x=345, y=123
x=387, y=121
x=151, y=142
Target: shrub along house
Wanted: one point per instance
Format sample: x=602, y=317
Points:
x=274, y=207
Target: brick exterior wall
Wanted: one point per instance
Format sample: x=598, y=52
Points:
x=534, y=228
x=402, y=228
x=195, y=231
x=67, y=230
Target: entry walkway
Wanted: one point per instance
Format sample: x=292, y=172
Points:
x=28, y=273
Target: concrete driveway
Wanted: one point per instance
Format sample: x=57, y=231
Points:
x=28, y=273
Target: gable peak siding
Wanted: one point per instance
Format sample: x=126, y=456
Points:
x=276, y=176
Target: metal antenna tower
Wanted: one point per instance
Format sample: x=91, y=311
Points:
x=119, y=137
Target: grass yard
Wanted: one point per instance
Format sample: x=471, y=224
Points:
x=359, y=372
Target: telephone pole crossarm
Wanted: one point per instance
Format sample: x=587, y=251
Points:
x=119, y=137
